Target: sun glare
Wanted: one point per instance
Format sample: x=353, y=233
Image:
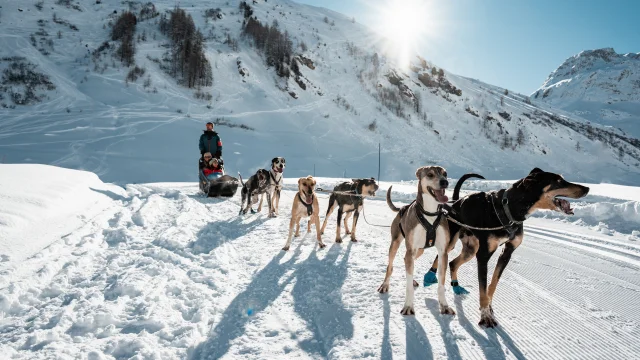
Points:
x=406, y=24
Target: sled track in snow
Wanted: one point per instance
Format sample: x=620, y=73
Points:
x=161, y=269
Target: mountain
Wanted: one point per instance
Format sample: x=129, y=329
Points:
x=599, y=85
x=85, y=88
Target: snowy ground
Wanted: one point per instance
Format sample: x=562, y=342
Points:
x=156, y=271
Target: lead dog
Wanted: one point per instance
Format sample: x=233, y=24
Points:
x=421, y=227
x=506, y=209
x=305, y=204
x=274, y=186
x=349, y=197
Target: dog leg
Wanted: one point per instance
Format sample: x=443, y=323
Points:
x=260, y=204
x=277, y=207
x=408, y=265
x=356, y=215
x=338, y=238
x=470, y=247
x=396, y=238
x=316, y=219
x=309, y=225
x=297, y=228
x=418, y=254
x=269, y=199
x=332, y=205
x=291, y=223
x=482, y=257
x=346, y=228
x=442, y=274
x=430, y=276
x=503, y=260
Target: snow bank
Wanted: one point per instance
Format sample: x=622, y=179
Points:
x=41, y=203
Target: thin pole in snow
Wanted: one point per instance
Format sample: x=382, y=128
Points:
x=378, y=162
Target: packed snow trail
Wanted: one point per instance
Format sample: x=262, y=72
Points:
x=165, y=273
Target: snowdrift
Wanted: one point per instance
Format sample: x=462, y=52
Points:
x=38, y=203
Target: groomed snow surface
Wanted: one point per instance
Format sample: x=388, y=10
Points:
x=155, y=271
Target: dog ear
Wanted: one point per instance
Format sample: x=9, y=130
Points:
x=274, y=160
x=300, y=181
x=535, y=171
x=420, y=172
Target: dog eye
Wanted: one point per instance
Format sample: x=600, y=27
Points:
x=430, y=175
x=445, y=174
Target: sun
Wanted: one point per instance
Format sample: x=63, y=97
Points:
x=406, y=24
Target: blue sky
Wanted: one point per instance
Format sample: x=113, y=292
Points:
x=515, y=43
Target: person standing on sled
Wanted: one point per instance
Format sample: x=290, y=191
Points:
x=210, y=142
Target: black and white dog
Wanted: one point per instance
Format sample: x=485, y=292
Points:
x=261, y=183
x=252, y=189
x=274, y=186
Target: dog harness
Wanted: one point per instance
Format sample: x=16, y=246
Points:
x=309, y=206
x=274, y=179
x=512, y=225
x=430, y=228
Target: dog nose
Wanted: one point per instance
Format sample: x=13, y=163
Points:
x=444, y=183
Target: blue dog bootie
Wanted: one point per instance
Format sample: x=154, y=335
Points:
x=457, y=289
x=430, y=277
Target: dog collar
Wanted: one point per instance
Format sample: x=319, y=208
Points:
x=505, y=206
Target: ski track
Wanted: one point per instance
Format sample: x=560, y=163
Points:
x=168, y=273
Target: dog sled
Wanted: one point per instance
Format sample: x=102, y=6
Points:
x=223, y=186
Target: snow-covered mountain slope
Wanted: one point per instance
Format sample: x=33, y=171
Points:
x=160, y=272
x=599, y=85
x=147, y=130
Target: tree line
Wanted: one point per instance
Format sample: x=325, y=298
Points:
x=124, y=30
x=188, y=63
x=276, y=46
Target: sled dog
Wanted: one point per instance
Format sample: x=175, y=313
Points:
x=274, y=186
x=349, y=198
x=421, y=226
x=305, y=204
x=506, y=209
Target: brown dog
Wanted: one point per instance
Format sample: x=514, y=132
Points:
x=305, y=204
x=421, y=227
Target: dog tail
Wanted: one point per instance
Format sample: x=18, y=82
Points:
x=241, y=182
x=456, y=190
x=391, y=206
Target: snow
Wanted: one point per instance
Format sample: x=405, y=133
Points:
x=109, y=252
x=599, y=85
x=157, y=271
x=125, y=133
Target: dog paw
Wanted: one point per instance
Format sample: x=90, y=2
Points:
x=321, y=245
x=339, y=240
x=347, y=232
x=354, y=239
x=286, y=248
x=253, y=211
x=415, y=283
x=296, y=235
x=408, y=310
x=487, y=320
x=446, y=310
x=384, y=288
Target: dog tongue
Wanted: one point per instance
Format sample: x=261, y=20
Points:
x=566, y=207
x=308, y=199
x=440, y=196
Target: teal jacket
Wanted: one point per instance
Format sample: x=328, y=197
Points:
x=210, y=142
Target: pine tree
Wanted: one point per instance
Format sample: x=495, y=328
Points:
x=520, y=137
